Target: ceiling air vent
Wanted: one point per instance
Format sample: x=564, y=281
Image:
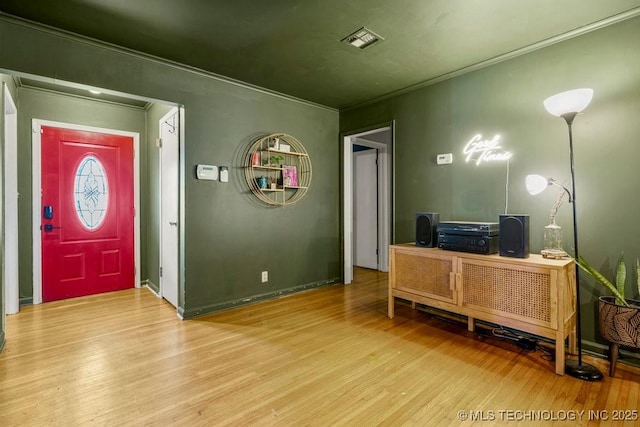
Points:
x=362, y=38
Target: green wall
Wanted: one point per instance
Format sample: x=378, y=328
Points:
x=506, y=99
x=228, y=237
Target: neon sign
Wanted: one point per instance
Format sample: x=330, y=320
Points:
x=489, y=150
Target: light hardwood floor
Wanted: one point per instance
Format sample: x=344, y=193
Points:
x=321, y=358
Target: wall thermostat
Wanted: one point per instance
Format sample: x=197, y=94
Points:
x=207, y=172
x=444, y=159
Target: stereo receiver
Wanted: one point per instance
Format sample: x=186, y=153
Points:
x=464, y=236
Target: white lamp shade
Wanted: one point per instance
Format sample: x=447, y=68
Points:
x=571, y=101
x=536, y=184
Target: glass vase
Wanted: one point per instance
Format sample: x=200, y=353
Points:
x=553, y=237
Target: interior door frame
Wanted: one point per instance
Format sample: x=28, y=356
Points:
x=161, y=285
x=36, y=125
x=385, y=196
x=11, y=267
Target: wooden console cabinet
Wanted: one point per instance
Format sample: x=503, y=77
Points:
x=534, y=295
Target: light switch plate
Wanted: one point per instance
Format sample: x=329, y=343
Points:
x=224, y=174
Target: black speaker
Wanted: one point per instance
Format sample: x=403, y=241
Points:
x=427, y=229
x=514, y=236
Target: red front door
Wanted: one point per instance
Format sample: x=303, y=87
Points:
x=87, y=213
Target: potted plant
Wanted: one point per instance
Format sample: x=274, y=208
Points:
x=275, y=160
x=619, y=317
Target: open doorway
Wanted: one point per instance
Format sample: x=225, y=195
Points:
x=367, y=199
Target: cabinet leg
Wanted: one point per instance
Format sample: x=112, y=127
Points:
x=471, y=324
x=560, y=354
x=391, y=307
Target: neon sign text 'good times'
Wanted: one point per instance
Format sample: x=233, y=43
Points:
x=489, y=150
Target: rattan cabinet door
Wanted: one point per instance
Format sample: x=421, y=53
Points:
x=521, y=293
x=429, y=275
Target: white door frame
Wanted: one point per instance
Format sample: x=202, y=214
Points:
x=10, y=158
x=163, y=292
x=36, y=125
x=384, y=197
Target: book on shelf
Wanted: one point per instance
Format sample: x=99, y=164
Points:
x=289, y=176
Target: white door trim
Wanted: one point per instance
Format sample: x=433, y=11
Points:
x=10, y=158
x=162, y=283
x=384, y=196
x=36, y=125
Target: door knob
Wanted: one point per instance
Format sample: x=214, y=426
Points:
x=173, y=223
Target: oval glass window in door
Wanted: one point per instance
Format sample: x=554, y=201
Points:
x=91, y=192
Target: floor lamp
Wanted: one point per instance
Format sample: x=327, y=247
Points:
x=567, y=105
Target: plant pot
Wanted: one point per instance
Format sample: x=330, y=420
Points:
x=619, y=325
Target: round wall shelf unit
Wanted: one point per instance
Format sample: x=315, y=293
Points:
x=277, y=169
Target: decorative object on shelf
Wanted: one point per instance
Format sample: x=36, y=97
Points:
x=553, y=232
x=556, y=205
x=552, y=243
x=285, y=165
x=554, y=254
x=619, y=317
x=553, y=238
x=289, y=176
x=567, y=105
x=274, y=160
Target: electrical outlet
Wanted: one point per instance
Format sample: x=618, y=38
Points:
x=265, y=276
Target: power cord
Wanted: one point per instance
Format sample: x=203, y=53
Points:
x=506, y=191
x=527, y=343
